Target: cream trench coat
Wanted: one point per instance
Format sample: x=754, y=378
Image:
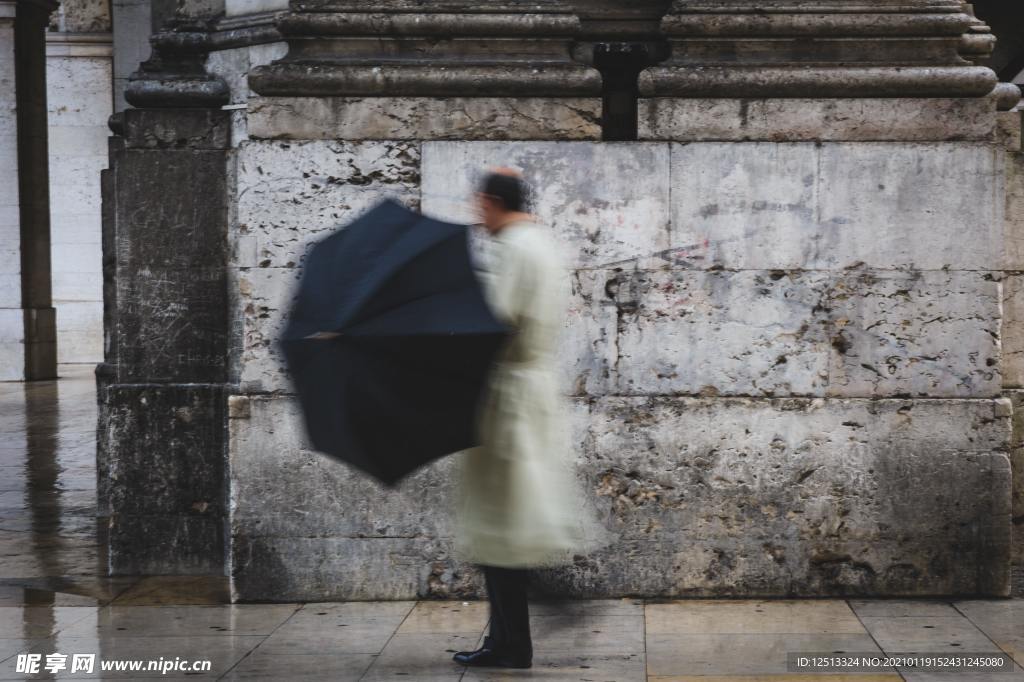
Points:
x=518, y=504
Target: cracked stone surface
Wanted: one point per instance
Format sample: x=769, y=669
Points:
x=288, y=196
x=777, y=387
x=707, y=496
x=417, y=118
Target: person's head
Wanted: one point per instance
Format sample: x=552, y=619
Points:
x=500, y=198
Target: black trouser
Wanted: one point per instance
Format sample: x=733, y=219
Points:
x=510, y=615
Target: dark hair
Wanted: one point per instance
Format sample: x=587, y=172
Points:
x=509, y=189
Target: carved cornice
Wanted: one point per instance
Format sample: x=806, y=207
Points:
x=820, y=48
x=495, y=49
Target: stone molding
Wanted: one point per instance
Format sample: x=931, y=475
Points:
x=59, y=44
x=349, y=49
x=175, y=75
x=889, y=48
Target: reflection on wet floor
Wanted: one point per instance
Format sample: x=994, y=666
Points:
x=51, y=544
x=55, y=597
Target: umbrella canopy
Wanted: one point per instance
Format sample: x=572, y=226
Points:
x=390, y=341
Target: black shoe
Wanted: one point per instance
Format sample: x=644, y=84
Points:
x=487, y=657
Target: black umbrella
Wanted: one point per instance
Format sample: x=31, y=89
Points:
x=409, y=342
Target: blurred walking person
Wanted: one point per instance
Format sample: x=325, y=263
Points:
x=518, y=505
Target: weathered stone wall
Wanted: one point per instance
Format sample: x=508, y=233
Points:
x=1013, y=316
x=784, y=352
x=783, y=361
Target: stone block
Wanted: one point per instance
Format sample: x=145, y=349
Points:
x=617, y=211
x=720, y=332
x=712, y=497
x=796, y=496
x=78, y=91
x=306, y=526
x=282, y=488
x=233, y=65
x=586, y=351
x=83, y=16
x=75, y=208
x=925, y=206
x=165, y=544
x=190, y=228
x=291, y=193
x=1016, y=397
x=802, y=205
x=346, y=569
x=177, y=128
x=915, y=333
x=79, y=331
x=1013, y=255
x=171, y=250
x=425, y=118
x=166, y=449
x=1012, y=332
x=165, y=491
x=264, y=295
x=12, y=344
x=1008, y=129
x=797, y=119
x=172, y=325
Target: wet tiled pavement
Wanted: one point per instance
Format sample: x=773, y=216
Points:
x=55, y=598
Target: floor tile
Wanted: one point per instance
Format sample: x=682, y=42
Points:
x=589, y=634
x=1008, y=639
x=326, y=666
x=352, y=637
x=752, y=617
x=57, y=591
x=30, y=622
x=928, y=634
x=594, y=607
x=11, y=646
x=788, y=677
x=1004, y=612
x=424, y=657
x=568, y=667
x=742, y=654
x=901, y=608
x=966, y=676
x=446, y=616
x=178, y=621
x=176, y=591
x=358, y=609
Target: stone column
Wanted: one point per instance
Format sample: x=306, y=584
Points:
x=163, y=390
x=27, y=319
x=12, y=326
x=80, y=100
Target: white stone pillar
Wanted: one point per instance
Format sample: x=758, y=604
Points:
x=27, y=323
x=12, y=348
x=79, y=103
